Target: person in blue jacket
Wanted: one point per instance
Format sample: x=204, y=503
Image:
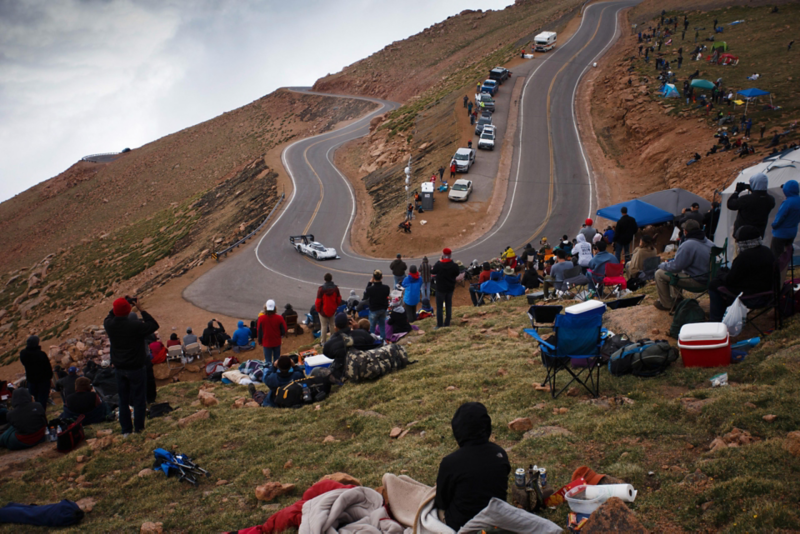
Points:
x=413, y=285
x=282, y=374
x=784, y=227
x=241, y=338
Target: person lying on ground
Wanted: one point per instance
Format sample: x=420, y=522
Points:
x=347, y=335
x=66, y=385
x=469, y=477
x=645, y=250
x=28, y=422
x=173, y=340
x=86, y=402
x=694, y=159
x=38, y=370
x=241, y=338
x=690, y=266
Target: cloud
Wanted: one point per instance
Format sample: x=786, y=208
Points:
x=83, y=77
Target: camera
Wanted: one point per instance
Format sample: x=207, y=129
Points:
x=742, y=186
x=131, y=300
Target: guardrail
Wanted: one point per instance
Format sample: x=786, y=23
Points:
x=93, y=156
x=224, y=252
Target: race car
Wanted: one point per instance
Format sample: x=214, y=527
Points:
x=305, y=244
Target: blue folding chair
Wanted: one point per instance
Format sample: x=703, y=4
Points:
x=495, y=287
x=577, y=337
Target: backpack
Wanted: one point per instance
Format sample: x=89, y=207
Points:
x=612, y=345
x=70, y=437
x=291, y=395
x=644, y=358
x=687, y=311
x=159, y=410
x=635, y=283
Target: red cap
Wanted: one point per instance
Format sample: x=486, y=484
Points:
x=447, y=252
x=588, y=475
x=588, y=222
x=122, y=307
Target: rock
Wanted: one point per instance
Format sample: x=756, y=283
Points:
x=538, y=387
x=403, y=433
x=221, y=482
x=146, y=473
x=502, y=372
x=266, y=472
x=342, y=478
x=738, y=437
x=718, y=444
x=80, y=346
x=80, y=459
x=769, y=418
x=192, y=368
x=103, y=433
x=207, y=398
x=148, y=527
x=99, y=444
x=544, y=431
x=161, y=371
x=86, y=504
x=66, y=361
x=189, y=419
x=512, y=333
x=521, y=424
x=251, y=404
x=562, y=411
x=329, y=439
x=395, y=433
x=288, y=465
x=238, y=403
x=747, y=405
x=450, y=388
x=613, y=516
x=273, y=490
x=792, y=443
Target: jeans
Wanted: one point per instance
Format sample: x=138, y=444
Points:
x=443, y=299
x=618, y=248
x=378, y=317
x=325, y=324
x=40, y=391
x=398, y=281
x=426, y=290
x=273, y=353
x=132, y=389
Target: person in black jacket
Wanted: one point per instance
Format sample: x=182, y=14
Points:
x=377, y=294
x=66, y=385
x=446, y=271
x=338, y=344
x=398, y=318
x=28, y=422
x=85, y=402
x=469, y=477
x=128, y=356
x=38, y=371
x=624, y=233
x=753, y=271
x=754, y=209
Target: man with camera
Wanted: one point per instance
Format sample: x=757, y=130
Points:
x=754, y=208
x=128, y=356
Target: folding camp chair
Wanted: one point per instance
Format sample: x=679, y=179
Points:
x=192, y=351
x=717, y=259
x=543, y=315
x=175, y=354
x=495, y=287
x=649, y=268
x=614, y=275
x=577, y=337
x=292, y=325
x=760, y=303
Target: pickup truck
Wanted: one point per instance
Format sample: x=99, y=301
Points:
x=500, y=74
x=490, y=86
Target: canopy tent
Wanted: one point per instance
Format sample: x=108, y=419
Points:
x=779, y=170
x=702, y=84
x=675, y=200
x=669, y=91
x=721, y=45
x=751, y=93
x=644, y=213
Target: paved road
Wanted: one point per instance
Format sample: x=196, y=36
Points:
x=549, y=191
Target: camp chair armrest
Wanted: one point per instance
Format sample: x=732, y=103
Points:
x=535, y=335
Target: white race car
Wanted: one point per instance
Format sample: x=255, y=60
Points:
x=305, y=244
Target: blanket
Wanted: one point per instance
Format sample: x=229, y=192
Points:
x=405, y=497
x=348, y=511
x=237, y=377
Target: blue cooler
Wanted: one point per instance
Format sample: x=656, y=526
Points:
x=312, y=362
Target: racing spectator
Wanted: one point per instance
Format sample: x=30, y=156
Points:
x=28, y=422
x=425, y=274
x=66, y=384
x=598, y=264
x=398, y=268
x=556, y=278
x=328, y=300
x=588, y=230
x=173, y=340
x=38, y=371
x=337, y=346
x=582, y=251
x=85, y=402
x=412, y=285
x=784, y=227
x=644, y=251
x=690, y=267
x=241, y=338
x=271, y=328
x=755, y=207
x=446, y=271
x=624, y=234
x=190, y=337
x=377, y=295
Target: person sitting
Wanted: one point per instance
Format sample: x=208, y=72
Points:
x=214, y=336
x=352, y=302
x=528, y=256
x=511, y=279
x=253, y=329
x=85, y=402
x=397, y=316
x=753, y=271
x=509, y=257
x=475, y=289
x=645, y=250
x=405, y=226
x=546, y=250
x=189, y=338
x=478, y=471
x=66, y=384
x=530, y=279
x=173, y=340
x=425, y=310
x=241, y=338
x=690, y=266
x=158, y=352
x=597, y=267
x=565, y=245
x=556, y=278
x=608, y=235
x=347, y=335
x=284, y=372
x=583, y=252
x=28, y=422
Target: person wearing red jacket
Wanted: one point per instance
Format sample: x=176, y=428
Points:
x=271, y=328
x=328, y=299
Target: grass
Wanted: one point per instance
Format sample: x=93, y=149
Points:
x=752, y=488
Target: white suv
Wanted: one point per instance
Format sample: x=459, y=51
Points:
x=464, y=159
x=486, y=141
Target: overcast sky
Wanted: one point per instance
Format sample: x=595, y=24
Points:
x=94, y=76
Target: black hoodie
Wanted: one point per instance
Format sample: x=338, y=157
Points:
x=476, y=472
x=127, y=337
x=27, y=417
x=36, y=363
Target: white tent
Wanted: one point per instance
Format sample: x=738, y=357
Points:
x=779, y=169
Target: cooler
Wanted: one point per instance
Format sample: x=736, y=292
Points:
x=704, y=345
x=595, y=306
x=313, y=362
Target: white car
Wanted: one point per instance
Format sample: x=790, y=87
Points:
x=486, y=141
x=305, y=244
x=464, y=158
x=460, y=191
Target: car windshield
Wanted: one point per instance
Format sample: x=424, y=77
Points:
x=459, y=187
x=317, y=246
x=489, y=83
x=487, y=134
x=461, y=157
x=484, y=120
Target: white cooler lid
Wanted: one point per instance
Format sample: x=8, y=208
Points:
x=583, y=307
x=703, y=332
x=321, y=359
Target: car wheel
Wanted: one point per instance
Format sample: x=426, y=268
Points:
x=297, y=248
x=315, y=256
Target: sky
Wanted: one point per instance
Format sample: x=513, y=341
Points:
x=81, y=77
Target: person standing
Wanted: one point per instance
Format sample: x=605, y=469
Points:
x=38, y=371
x=425, y=274
x=469, y=107
x=446, y=271
x=753, y=209
x=377, y=295
x=784, y=227
x=271, y=328
x=328, y=299
x=748, y=125
x=624, y=234
x=763, y=129
x=128, y=356
x=412, y=285
x=441, y=173
x=452, y=169
x=398, y=268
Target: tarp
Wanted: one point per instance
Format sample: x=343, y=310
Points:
x=702, y=84
x=669, y=91
x=720, y=44
x=779, y=170
x=643, y=212
x=675, y=200
x=752, y=93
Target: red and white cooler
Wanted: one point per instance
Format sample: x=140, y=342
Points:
x=704, y=345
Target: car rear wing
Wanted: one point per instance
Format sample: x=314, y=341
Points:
x=306, y=239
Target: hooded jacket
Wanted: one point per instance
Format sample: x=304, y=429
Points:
x=446, y=272
x=27, y=417
x=754, y=208
x=583, y=251
x=693, y=257
x=425, y=271
x=469, y=477
x=241, y=336
x=413, y=286
x=785, y=224
x=626, y=230
x=127, y=339
x=328, y=299
x=36, y=363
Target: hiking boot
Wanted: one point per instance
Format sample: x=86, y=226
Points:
x=660, y=306
x=251, y=389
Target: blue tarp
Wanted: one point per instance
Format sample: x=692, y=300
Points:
x=643, y=212
x=752, y=93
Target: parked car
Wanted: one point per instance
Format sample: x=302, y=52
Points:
x=490, y=86
x=485, y=99
x=464, y=159
x=486, y=141
x=460, y=191
x=482, y=121
x=500, y=74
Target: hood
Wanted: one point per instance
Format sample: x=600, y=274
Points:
x=353, y=293
x=581, y=238
x=472, y=424
x=240, y=325
x=32, y=342
x=211, y=324
x=133, y=316
x=791, y=188
x=21, y=397
x=759, y=182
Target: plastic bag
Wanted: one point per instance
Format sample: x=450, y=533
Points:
x=735, y=317
x=676, y=234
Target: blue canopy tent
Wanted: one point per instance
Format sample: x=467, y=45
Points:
x=751, y=93
x=644, y=213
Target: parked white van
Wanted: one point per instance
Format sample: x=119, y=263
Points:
x=545, y=41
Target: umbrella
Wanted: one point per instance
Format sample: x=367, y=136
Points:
x=702, y=84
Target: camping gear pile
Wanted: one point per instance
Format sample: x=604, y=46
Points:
x=178, y=464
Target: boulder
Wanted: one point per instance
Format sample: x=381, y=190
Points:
x=521, y=424
x=273, y=490
x=161, y=371
x=189, y=419
x=146, y=473
x=395, y=433
x=792, y=443
x=613, y=516
x=98, y=444
x=342, y=478
x=148, y=527
x=207, y=398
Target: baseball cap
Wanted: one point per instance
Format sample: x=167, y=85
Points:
x=270, y=305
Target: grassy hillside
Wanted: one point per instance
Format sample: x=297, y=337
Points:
x=652, y=433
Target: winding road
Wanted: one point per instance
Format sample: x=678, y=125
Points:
x=550, y=189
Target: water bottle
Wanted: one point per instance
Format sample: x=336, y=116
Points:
x=306, y=394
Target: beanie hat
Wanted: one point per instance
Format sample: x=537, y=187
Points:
x=284, y=363
x=72, y=370
x=589, y=222
x=447, y=251
x=747, y=233
x=341, y=320
x=121, y=307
